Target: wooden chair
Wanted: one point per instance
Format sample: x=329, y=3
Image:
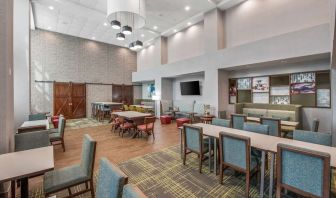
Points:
x=235, y=152
x=238, y=120
x=302, y=171
x=131, y=191
x=313, y=137
x=221, y=122
x=38, y=116
x=57, y=138
x=274, y=126
x=316, y=123
x=115, y=122
x=124, y=126
x=194, y=143
x=147, y=127
x=68, y=177
x=111, y=180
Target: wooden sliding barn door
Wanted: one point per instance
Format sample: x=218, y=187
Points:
x=70, y=100
x=122, y=93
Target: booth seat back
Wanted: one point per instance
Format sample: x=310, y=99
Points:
x=250, y=112
x=184, y=105
x=282, y=115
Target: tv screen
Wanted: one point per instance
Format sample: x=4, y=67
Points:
x=190, y=88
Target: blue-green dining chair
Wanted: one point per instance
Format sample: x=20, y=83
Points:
x=56, y=136
x=74, y=175
x=31, y=140
x=274, y=126
x=221, y=122
x=131, y=191
x=37, y=116
x=235, y=152
x=111, y=180
x=194, y=143
x=256, y=128
x=237, y=121
x=303, y=171
x=312, y=137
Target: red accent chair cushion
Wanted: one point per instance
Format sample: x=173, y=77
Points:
x=165, y=119
x=54, y=120
x=181, y=121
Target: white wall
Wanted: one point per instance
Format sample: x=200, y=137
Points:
x=254, y=19
x=186, y=43
x=150, y=56
x=21, y=61
x=177, y=89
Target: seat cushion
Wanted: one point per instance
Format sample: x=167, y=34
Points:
x=126, y=125
x=59, y=179
x=143, y=127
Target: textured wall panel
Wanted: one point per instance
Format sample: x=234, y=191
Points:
x=63, y=58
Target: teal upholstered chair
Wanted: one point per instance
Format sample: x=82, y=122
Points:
x=31, y=140
x=235, y=152
x=303, y=171
x=111, y=180
x=131, y=191
x=238, y=121
x=221, y=122
x=194, y=143
x=312, y=137
x=315, y=125
x=274, y=126
x=256, y=128
x=38, y=116
x=74, y=175
x=56, y=136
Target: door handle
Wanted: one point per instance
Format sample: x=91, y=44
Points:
x=70, y=104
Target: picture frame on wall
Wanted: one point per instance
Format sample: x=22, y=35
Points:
x=260, y=84
x=303, y=88
x=244, y=83
x=262, y=98
x=280, y=91
x=233, y=99
x=323, y=97
x=284, y=100
x=150, y=90
x=308, y=77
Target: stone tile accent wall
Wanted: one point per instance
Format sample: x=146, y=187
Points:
x=63, y=58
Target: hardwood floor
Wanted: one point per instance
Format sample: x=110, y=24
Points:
x=112, y=146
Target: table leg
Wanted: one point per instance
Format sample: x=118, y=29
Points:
x=209, y=147
x=24, y=187
x=215, y=155
x=262, y=172
x=181, y=143
x=271, y=175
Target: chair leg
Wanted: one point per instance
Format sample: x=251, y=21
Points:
x=200, y=162
x=221, y=173
x=153, y=135
x=13, y=188
x=92, y=189
x=247, y=184
x=69, y=191
x=184, y=157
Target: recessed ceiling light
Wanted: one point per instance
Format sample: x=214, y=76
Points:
x=187, y=8
x=155, y=27
x=51, y=8
x=189, y=23
x=93, y=38
x=175, y=30
x=105, y=24
x=142, y=35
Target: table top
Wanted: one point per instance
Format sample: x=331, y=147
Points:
x=131, y=114
x=108, y=103
x=26, y=163
x=207, y=116
x=35, y=123
x=285, y=123
x=267, y=142
x=144, y=106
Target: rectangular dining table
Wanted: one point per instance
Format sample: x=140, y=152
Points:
x=267, y=144
x=36, y=125
x=24, y=164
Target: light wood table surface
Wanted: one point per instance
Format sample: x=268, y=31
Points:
x=131, y=115
x=267, y=144
x=35, y=125
x=25, y=164
x=108, y=103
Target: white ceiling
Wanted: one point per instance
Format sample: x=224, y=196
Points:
x=86, y=18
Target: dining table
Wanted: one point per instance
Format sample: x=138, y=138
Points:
x=36, y=125
x=264, y=143
x=24, y=164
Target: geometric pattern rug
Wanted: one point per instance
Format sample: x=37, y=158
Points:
x=84, y=123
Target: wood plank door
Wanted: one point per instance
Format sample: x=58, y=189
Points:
x=122, y=93
x=62, y=99
x=78, y=100
x=117, y=93
x=70, y=100
x=128, y=94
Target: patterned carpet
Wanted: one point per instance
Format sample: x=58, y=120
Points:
x=161, y=174
x=84, y=123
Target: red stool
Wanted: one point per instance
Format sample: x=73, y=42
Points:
x=165, y=119
x=181, y=121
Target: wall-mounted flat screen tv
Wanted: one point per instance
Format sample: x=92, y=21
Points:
x=190, y=88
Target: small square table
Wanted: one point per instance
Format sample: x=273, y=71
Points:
x=36, y=125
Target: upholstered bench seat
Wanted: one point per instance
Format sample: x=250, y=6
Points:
x=181, y=121
x=63, y=178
